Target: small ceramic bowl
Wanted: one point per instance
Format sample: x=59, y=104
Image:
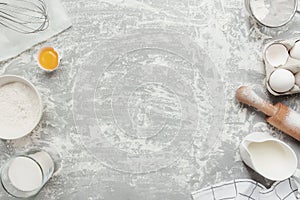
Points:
x=9, y=135
x=53, y=50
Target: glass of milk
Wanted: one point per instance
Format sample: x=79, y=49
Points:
x=24, y=175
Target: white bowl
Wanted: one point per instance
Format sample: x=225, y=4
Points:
x=38, y=55
x=6, y=79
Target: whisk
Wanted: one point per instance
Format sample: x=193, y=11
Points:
x=24, y=16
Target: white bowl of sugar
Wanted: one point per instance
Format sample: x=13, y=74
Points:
x=21, y=107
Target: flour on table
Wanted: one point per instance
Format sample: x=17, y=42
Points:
x=293, y=119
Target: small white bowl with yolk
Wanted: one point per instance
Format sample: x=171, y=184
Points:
x=48, y=59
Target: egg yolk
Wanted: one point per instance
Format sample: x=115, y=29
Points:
x=48, y=58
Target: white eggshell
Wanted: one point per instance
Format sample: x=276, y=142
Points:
x=295, y=51
x=282, y=80
x=277, y=54
x=297, y=77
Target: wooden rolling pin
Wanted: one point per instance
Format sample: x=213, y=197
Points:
x=279, y=115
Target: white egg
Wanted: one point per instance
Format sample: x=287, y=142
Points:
x=295, y=51
x=297, y=77
x=282, y=80
x=277, y=54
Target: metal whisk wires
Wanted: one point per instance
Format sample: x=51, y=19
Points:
x=24, y=16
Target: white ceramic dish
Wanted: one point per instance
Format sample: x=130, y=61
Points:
x=292, y=64
x=55, y=50
x=268, y=156
x=6, y=79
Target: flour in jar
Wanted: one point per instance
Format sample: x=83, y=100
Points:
x=19, y=109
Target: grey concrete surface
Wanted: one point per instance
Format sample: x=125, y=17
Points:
x=142, y=106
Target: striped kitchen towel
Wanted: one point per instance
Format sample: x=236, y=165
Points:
x=246, y=189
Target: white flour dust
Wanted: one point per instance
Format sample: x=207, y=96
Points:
x=251, y=96
x=19, y=109
x=293, y=119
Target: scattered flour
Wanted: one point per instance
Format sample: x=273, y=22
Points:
x=293, y=119
x=19, y=109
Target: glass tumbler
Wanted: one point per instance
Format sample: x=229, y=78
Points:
x=272, y=13
x=25, y=175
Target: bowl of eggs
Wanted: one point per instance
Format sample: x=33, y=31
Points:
x=282, y=65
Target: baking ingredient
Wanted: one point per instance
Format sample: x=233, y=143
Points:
x=295, y=51
x=273, y=13
x=297, y=77
x=45, y=161
x=293, y=119
x=25, y=174
x=282, y=80
x=19, y=108
x=277, y=54
x=271, y=159
x=48, y=58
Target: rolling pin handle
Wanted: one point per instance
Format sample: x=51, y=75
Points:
x=245, y=95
